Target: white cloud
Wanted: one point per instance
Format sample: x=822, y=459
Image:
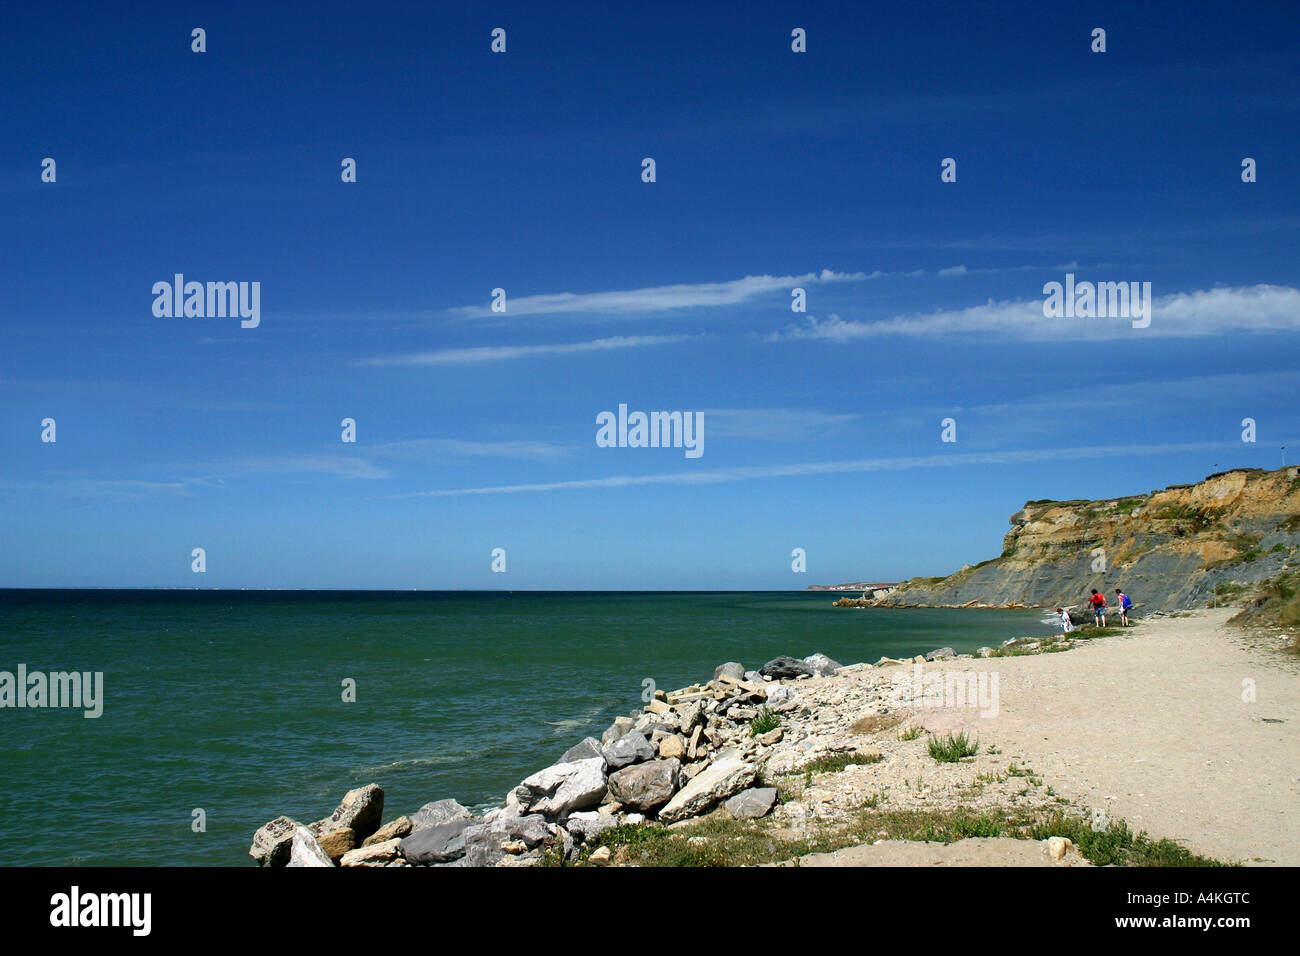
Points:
x=752, y=472
x=502, y=353
x=1208, y=312
x=422, y=449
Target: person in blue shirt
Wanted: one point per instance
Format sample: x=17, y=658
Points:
x=1124, y=604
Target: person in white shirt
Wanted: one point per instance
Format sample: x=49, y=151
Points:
x=1065, y=620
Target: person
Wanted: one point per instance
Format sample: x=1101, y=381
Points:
x=1066, y=624
x=1124, y=604
x=1098, y=601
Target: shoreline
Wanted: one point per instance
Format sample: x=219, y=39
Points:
x=1088, y=738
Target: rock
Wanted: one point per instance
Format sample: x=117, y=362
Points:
x=305, y=851
x=753, y=677
x=636, y=819
x=599, y=856
x=395, y=830
x=779, y=694
x=779, y=668
x=377, y=854
x=335, y=843
x=1057, y=846
x=751, y=804
x=731, y=668
x=647, y=725
x=722, y=779
x=984, y=652
x=940, y=654
x=586, y=825
x=658, y=707
x=645, y=786
x=690, y=716
x=273, y=842
x=438, y=812
x=630, y=748
x=589, y=747
x=362, y=809
x=483, y=841
x=672, y=747
x=565, y=787
x=437, y=844
x=822, y=666
x=773, y=736
x=618, y=728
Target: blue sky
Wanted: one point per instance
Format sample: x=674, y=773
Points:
x=522, y=171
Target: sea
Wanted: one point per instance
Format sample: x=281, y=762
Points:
x=222, y=710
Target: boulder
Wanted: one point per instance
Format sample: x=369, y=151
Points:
x=589, y=747
x=305, y=851
x=751, y=804
x=645, y=786
x=362, y=809
x=618, y=728
x=672, y=747
x=940, y=653
x=753, y=677
x=564, y=787
x=484, y=841
x=630, y=748
x=273, y=842
x=377, y=854
x=690, y=716
x=337, y=842
x=720, y=780
x=599, y=857
x=782, y=668
x=730, y=668
x=586, y=825
x=394, y=830
x=779, y=694
x=438, y=812
x=437, y=844
x=822, y=666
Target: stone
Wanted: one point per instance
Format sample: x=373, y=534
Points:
x=586, y=749
x=658, y=707
x=483, y=841
x=335, y=843
x=630, y=748
x=1057, y=846
x=690, y=716
x=438, y=812
x=618, y=728
x=437, y=844
x=395, y=830
x=754, y=677
x=773, y=736
x=779, y=694
x=586, y=825
x=693, y=748
x=672, y=747
x=645, y=786
x=720, y=780
x=273, y=842
x=305, y=851
x=751, y=804
x=730, y=668
x=940, y=653
x=599, y=856
x=565, y=787
x=377, y=854
x=822, y=666
x=779, y=668
x=984, y=652
x=362, y=809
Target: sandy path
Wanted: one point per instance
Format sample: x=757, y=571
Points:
x=973, y=851
x=1152, y=728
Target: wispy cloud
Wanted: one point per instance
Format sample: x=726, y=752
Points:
x=423, y=449
x=775, y=424
x=1257, y=308
x=342, y=466
x=505, y=353
x=753, y=472
x=662, y=298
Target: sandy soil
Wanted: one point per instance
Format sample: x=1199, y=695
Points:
x=975, y=851
x=1158, y=728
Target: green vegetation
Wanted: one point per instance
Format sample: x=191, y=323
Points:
x=764, y=722
x=1275, y=601
x=911, y=733
x=718, y=840
x=1129, y=504
x=831, y=763
x=951, y=749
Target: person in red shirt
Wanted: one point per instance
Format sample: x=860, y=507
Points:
x=1098, y=601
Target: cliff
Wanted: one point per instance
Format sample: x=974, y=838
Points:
x=1177, y=548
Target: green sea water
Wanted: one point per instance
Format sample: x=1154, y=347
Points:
x=231, y=702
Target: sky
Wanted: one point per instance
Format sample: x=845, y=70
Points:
x=522, y=170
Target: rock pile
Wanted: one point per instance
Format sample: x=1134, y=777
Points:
x=684, y=754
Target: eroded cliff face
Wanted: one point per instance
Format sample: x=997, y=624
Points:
x=1168, y=549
